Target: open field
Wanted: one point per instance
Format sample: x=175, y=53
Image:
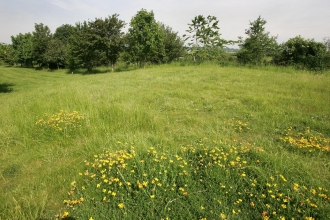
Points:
x=272, y=124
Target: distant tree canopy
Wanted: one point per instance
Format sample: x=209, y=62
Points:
x=96, y=43
x=55, y=53
x=64, y=32
x=7, y=54
x=173, y=44
x=305, y=53
x=102, y=41
x=204, y=38
x=23, y=46
x=257, y=45
x=145, y=39
x=41, y=38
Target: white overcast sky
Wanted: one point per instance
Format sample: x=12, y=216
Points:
x=285, y=18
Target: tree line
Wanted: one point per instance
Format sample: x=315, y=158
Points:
x=102, y=42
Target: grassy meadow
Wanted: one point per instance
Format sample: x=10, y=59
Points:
x=165, y=142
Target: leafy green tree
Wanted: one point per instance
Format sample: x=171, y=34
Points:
x=55, y=53
x=41, y=38
x=173, y=44
x=22, y=44
x=257, y=45
x=7, y=54
x=110, y=37
x=304, y=53
x=96, y=43
x=145, y=39
x=203, y=38
x=64, y=32
x=82, y=49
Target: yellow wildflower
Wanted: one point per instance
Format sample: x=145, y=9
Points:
x=65, y=214
x=223, y=216
x=121, y=205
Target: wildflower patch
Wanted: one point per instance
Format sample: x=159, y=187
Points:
x=308, y=140
x=61, y=121
x=205, y=180
x=237, y=125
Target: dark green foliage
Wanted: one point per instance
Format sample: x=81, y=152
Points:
x=173, y=44
x=145, y=39
x=55, y=53
x=303, y=53
x=23, y=46
x=109, y=34
x=64, y=32
x=95, y=43
x=257, y=45
x=82, y=47
x=7, y=54
x=102, y=42
x=40, y=39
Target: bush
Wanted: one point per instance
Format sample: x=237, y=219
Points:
x=302, y=53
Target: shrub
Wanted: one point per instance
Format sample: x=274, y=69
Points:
x=302, y=53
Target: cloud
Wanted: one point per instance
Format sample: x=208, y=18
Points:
x=61, y=4
x=77, y=6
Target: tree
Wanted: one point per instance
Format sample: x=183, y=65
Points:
x=173, y=44
x=22, y=44
x=145, y=39
x=7, y=54
x=64, y=32
x=302, y=52
x=96, y=43
x=55, y=53
x=110, y=35
x=204, y=38
x=82, y=49
x=41, y=38
x=257, y=45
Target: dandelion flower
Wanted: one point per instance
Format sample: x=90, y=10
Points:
x=121, y=205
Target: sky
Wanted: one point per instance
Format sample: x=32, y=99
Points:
x=285, y=18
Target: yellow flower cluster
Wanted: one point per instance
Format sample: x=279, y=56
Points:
x=311, y=141
x=61, y=120
x=238, y=125
x=123, y=178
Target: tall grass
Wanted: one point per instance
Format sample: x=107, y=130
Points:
x=164, y=107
